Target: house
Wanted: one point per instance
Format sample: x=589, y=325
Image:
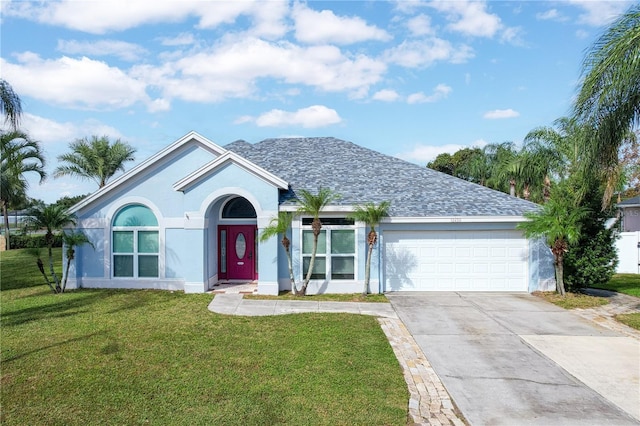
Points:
x=628, y=243
x=190, y=216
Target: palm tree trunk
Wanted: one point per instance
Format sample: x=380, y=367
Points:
x=53, y=273
x=70, y=257
x=312, y=262
x=560, y=275
x=294, y=289
x=5, y=213
x=41, y=268
x=512, y=187
x=367, y=271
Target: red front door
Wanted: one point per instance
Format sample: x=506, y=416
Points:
x=237, y=252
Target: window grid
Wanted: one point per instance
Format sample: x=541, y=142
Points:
x=330, y=261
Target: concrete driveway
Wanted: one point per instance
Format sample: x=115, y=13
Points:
x=514, y=359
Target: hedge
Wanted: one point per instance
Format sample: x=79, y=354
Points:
x=18, y=241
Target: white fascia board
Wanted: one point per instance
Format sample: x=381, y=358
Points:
x=456, y=219
x=624, y=206
x=206, y=143
x=327, y=209
x=229, y=156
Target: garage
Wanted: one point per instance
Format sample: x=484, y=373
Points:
x=455, y=260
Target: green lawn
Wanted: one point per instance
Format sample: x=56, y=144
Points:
x=624, y=283
x=159, y=357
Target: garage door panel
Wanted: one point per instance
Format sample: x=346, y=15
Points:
x=455, y=260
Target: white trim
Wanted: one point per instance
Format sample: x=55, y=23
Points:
x=326, y=209
x=226, y=192
x=456, y=219
x=223, y=159
x=191, y=136
x=140, y=284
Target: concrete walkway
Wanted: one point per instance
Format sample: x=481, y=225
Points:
x=429, y=403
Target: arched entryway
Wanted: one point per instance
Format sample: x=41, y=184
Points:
x=237, y=235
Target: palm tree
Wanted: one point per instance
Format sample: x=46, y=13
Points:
x=36, y=252
x=559, y=222
x=10, y=105
x=609, y=98
x=51, y=218
x=95, y=159
x=312, y=204
x=19, y=155
x=71, y=240
x=500, y=158
x=280, y=226
x=370, y=214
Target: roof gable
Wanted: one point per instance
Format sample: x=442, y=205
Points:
x=191, y=138
x=630, y=202
x=227, y=158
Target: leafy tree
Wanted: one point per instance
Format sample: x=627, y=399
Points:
x=280, y=226
x=312, y=205
x=10, y=105
x=371, y=214
x=67, y=202
x=95, y=159
x=72, y=240
x=609, y=97
x=502, y=177
x=19, y=155
x=559, y=222
x=443, y=163
x=51, y=218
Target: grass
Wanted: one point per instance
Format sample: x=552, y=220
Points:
x=351, y=297
x=572, y=300
x=624, y=283
x=160, y=357
x=632, y=320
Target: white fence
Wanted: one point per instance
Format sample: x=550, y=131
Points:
x=628, y=246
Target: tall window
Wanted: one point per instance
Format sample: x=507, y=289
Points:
x=135, y=242
x=336, y=253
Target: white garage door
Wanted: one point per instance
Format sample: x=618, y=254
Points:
x=455, y=261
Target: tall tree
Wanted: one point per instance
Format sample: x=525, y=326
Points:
x=500, y=157
x=609, y=98
x=10, y=105
x=95, y=158
x=280, y=226
x=51, y=218
x=371, y=214
x=559, y=223
x=312, y=204
x=19, y=155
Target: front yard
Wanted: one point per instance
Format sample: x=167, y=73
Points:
x=130, y=357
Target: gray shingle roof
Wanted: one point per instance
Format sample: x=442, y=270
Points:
x=361, y=175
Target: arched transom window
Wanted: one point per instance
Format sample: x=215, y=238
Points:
x=238, y=208
x=135, y=242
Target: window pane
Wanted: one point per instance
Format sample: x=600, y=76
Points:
x=122, y=266
x=135, y=215
x=123, y=241
x=343, y=241
x=147, y=241
x=319, y=267
x=223, y=251
x=307, y=242
x=238, y=208
x=147, y=266
x=342, y=268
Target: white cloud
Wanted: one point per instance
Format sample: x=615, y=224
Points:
x=311, y=117
x=551, y=15
x=182, y=39
x=79, y=83
x=422, y=154
x=424, y=53
x=441, y=91
x=120, y=49
x=100, y=17
x=325, y=27
x=469, y=17
x=598, y=13
x=497, y=114
x=420, y=25
x=386, y=95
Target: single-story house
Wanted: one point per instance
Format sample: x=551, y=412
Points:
x=190, y=216
x=630, y=214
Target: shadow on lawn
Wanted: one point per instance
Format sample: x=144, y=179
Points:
x=61, y=308
x=44, y=348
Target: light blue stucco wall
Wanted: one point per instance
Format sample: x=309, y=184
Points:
x=187, y=221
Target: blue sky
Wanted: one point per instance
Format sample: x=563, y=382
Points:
x=407, y=78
